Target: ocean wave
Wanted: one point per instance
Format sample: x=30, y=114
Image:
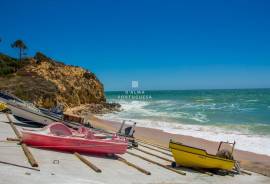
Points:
x=138, y=109
x=215, y=115
x=213, y=106
x=205, y=100
x=245, y=140
x=252, y=100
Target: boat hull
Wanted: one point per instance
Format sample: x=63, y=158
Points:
x=74, y=144
x=198, y=158
x=31, y=116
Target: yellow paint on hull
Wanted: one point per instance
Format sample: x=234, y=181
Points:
x=197, y=158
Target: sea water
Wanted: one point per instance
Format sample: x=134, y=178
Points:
x=242, y=115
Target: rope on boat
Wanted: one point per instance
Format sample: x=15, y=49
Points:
x=154, y=162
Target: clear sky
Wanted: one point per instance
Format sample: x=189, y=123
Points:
x=162, y=44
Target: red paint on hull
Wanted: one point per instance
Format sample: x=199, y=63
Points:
x=71, y=143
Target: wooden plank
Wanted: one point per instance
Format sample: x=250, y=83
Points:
x=87, y=162
x=14, y=127
x=26, y=151
x=13, y=139
x=133, y=165
x=166, y=159
x=152, y=144
x=154, y=162
x=203, y=171
x=29, y=156
x=154, y=149
x=245, y=172
x=16, y=165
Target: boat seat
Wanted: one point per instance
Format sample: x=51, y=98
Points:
x=60, y=130
x=90, y=135
x=83, y=130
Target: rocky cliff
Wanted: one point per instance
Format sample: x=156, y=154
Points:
x=48, y=83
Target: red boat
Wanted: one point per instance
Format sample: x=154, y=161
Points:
x=59, y=137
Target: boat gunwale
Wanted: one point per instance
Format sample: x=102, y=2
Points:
x=207, y=154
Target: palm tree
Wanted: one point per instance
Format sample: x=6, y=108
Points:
x=21, y=46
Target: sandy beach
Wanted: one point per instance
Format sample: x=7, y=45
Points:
x=250, y=161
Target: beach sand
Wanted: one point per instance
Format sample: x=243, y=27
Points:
x=250, y=161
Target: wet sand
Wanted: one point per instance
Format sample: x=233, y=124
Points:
x=250, y=161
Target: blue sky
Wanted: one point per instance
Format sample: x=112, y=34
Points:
x=162, y=44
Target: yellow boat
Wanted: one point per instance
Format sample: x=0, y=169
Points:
x=188, y=156
x=2, y=106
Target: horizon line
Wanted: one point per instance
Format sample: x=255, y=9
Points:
x=198, y=89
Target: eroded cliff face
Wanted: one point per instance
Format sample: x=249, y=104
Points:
x=47, y=83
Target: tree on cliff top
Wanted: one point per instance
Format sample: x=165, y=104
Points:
x=41, y=57
x=21, y=46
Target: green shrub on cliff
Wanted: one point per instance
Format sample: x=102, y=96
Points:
x=39, y=56
x=9, y=65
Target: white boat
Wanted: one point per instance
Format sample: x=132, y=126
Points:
x=30, y=113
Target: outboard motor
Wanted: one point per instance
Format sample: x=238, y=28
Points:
x=128, y=132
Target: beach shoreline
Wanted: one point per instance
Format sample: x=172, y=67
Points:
x=248, y=160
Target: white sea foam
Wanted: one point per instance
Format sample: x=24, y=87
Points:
x=148, y=117
x=245, y=141
x=253, y=100
x=167, y=115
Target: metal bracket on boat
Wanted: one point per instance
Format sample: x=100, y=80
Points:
x=128, y=131
x=231, y=143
